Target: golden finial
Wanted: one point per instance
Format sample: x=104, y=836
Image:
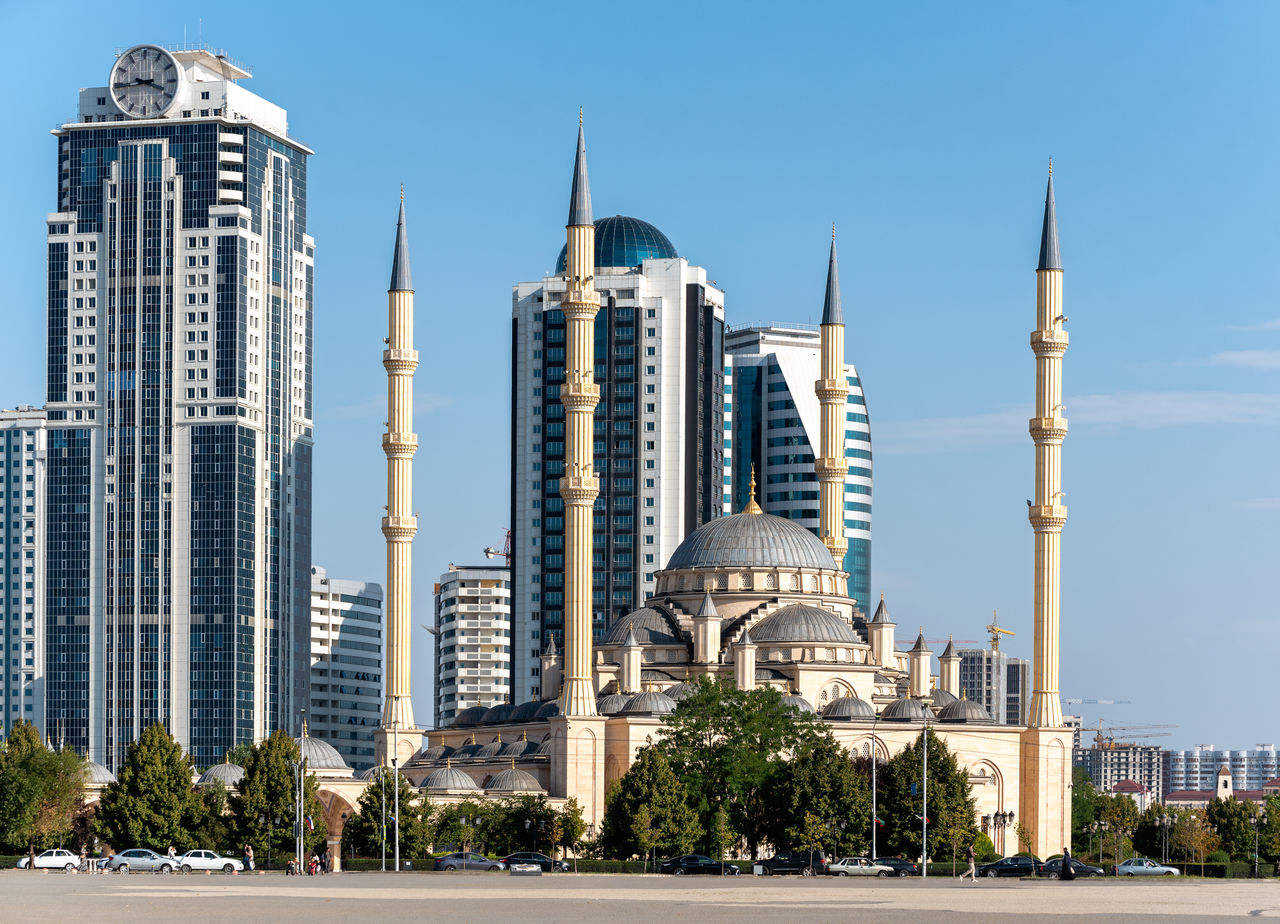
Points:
x=579, y=117
x=524, y=736
x=833, y=231
x=752, y=506
x=448, y=762
x=513, y=763
x=473, y=738
x=882, y=596
x=304, y=728
x=1051, y=166
x=401, y=192
x=499, y=739
x=962, y=694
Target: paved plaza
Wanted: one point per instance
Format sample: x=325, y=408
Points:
x=363, y=898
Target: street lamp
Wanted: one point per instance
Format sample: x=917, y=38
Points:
x=875, y=815
x=1258, y=821
x=1092, y=829
x=1165, y=821
x=1102, y=840
x=1000, y=821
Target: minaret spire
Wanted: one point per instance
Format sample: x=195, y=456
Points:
x=579, y=486
x=401, y=278
x=833, y=391
x=1050, y=257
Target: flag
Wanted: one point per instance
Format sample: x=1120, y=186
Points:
x=880, y=821
x=311, y=825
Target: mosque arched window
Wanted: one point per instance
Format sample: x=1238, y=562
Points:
x=823, y=697
x=722, y=582
x=795, y=582
x=866, y=749
x=770, y=582
x=813, y=583
x=744, y=580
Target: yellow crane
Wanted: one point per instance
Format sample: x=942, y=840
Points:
x=996, y=631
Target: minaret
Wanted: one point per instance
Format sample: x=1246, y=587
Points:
x=579, y=486
x=832, y=390
x=398, y=731
x=1048, y=428
x=919, y=659
x=949, y=669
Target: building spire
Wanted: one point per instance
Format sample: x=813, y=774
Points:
x=1050, y=257
x=401, y=278
x=752, y=506
x=831, y=311
x=580, y=198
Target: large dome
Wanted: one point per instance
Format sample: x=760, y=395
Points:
x=320, y=755
x=801, y=622
x=751, y=540
x=624, y=241
x=650, y=626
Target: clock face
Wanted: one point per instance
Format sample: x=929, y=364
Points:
x=145, y=81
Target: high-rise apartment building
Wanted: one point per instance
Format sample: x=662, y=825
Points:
x=473, y=639
x=180, y=279
x=771, y=423
x=1111, y=762
x=1197, y=767
x=347, y=649
x=22, y=557
x=1000, y=683
x=659, y=358
x=1017, y=691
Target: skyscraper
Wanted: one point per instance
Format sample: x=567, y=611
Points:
x=656, y=436
x=179, y=406
x=473, y=639
x=22, y=491
x=771, y=422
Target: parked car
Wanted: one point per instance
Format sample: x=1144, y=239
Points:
x=692, y=864
x=547, y=864
x=1053, y=869
x=860, y=866
x=141, y=860
x=463, y=860
x=208, y=859
x=900, y=866
x=804, y=862
x=53, y=859
x=1012, y=866
x=1141, y=866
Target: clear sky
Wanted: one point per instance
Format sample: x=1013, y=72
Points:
x=743, y=130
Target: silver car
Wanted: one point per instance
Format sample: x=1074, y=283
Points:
x=1140, y=866
x=860, y=866
x=141, y=860
x=207, y=859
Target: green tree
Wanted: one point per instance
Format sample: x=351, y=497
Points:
x=1084, y=805
x=719, y=836
x=957, y=831
x=900, y=807
x=727, y=744
x=153, y=802
x=1192, y=838
x=364, y=833
x=1233, y=821
x=40, y=794
x=984, y=850
x=1120, y=814
x=24, y=738
x=1269, y=834
x=216, y=830
x=821, y=779
x=467, y=825
x=267, y=793
x=650, y=784
x=572, y=826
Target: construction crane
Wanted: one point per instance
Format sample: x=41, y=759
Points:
x=958, y=641
x=996, y=631
x=491, y=552
x=1108, y=739
x=1097, y=702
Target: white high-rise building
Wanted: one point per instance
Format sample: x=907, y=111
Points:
x=347, y=665
x=659, y=356
x=771, y=423
x=473, y=640
x=22, y=556
x=1197, y=767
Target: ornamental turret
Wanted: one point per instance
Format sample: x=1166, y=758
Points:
x=832, y=390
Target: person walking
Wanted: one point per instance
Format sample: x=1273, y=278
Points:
x=972, y=871
x=248, y=857
x=1068, y=870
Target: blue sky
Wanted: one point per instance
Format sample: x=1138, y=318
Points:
x=743, y=130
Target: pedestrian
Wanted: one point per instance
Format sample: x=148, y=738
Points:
x=173, y=854
x=324, y=860
x=972, y=871
x=1068, y=871
x=248, y=857
x=84, y=860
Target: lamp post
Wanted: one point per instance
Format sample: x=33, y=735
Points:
x=395, y=784
x=382, y=807
x=1258, y=821
x=1092, y=828
x=1000, y=821
x=1102, y=839
x=591, y=836
x=924, y=804
x=875, y=815
x=1166, y=822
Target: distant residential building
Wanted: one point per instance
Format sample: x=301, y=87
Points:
x=1222, y=787
x=1017, y=691
x=1197, y=768
x=1140, y=795
x=473, y=639
x=1076, y=724
x=22, y=555
x=346, y=665
x=1111, y=762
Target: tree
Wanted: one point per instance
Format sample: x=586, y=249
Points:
x=24, y=739
x=267, y=793
x=820, y=779
x=466, y=825
x=40, y=793
x=1192, y=837
x=1120, y=814
x=957, y=830
x=652, y=786
x=153, y=802
x=216, y=831
x=1269, y=833
x=1084, y=805
x=1233, y=821
x=719, y=835
x=571, y=825
x=900, y=805
x=364, y=833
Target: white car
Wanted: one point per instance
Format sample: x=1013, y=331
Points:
x=208, y=859
x=1141, y=866
x=860, y=866
x=53, y=859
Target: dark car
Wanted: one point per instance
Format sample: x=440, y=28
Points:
x=691, y=864
x=1012, y=866
x=901, y=866
x=547, y=864
x=1053, y=869
x=455, y=861
x=804, y=862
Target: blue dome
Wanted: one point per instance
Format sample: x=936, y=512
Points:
x=623, y=241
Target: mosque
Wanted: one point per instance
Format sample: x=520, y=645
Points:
x=750, y=596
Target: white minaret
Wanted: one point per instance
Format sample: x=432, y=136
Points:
x=833, y=391
x=579, y=486
x=1048, y=514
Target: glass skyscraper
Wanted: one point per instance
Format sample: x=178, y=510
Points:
x=179, y=412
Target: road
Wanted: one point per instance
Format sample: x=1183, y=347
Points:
x=478, y=898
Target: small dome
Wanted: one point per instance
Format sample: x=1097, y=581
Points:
x=650, y=702
x=472, y=715
x=95, y=774
x=488, y=751
x=624, y=241
x=518, y=748
x=498, y=714
x=939, y=698
x=513, y=780
x=795, y=703
x=802, y=622
x=228, y=774
x=525, y=711
x=450, y=779
x=651, y=627
x=751, y=539
x=435, y=752
x=965, y=710
x=681, y=690
x=371, y=774
x=545, y=747
x=548, y=710
x=320, y=754
x=907, y=709
x=467, y=751
x=612, y=703
x=848, y=707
